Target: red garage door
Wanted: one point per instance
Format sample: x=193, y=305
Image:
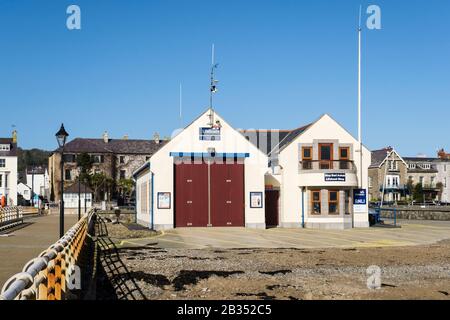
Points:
x=227, y=195
x=221, y=183
x=191, y=195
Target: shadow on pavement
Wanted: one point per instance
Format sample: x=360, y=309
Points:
x=114, y=281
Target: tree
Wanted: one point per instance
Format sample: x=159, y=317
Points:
x=418, y=192
x=440, y=187
x=97, y=183
x=84, y=162
x=125, y=187
x=410, y=187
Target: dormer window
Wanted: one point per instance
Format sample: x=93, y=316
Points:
x=412, y=166
x=5, y=147
x=426, y=166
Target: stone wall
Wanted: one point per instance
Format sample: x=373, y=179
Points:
x=417, y=213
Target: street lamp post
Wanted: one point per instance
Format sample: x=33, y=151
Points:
x=79, y=194
x=85, y=200
x=61, y=137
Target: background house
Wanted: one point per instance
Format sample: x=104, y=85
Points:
x=71, y=196
x=24, y=191
x=8, y=169
x=115, y=159
x=443, y=175
x=388, y=173
x=423, y=171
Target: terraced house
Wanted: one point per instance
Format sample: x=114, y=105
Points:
x=116, y=158
x=424, y=171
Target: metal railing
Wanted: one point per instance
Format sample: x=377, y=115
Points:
x=389, y=214
x=47, y=277
x=10, y=216
x=346, y=165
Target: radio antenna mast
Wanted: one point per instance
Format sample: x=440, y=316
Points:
x=213, y=87
x=181, y=106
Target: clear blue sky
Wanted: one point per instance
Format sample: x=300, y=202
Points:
x=282, y=64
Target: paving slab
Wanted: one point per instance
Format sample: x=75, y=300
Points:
x=411, y=233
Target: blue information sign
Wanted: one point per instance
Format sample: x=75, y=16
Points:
x=359, y=196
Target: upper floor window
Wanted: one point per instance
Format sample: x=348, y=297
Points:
x=68, y=175
x=307, y=157
x=121, y=159
x=122, y=174
x=421, y=180
x=5, y=147
x=344, y=157
x=70, y=158
x=344, y=153
x=2, y=163
x=393, y=165
x=1, y=181
x=306, y=153
x=98, y=158
x=326, y=155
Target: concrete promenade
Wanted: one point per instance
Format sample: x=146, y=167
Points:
x=23, y=243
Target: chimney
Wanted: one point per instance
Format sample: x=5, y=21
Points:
x=125, y=137
x=442, y=154
x=156, y=138
x=14, y=136
x=105, y=137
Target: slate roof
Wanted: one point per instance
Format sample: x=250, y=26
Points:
x=116, y=146
x=274, y=137
x=378, y=156
x=432, y=161
x=420, y=159
x=12, y=152
x=292, y=135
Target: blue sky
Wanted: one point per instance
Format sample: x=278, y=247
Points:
x=282, y=64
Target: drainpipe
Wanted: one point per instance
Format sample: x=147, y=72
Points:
x=303, y=207
x=152, y=201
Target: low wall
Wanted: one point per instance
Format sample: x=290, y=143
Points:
x=418, y=213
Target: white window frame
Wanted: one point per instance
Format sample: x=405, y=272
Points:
x=2, y=160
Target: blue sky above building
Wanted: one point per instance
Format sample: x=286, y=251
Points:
x=282, y=65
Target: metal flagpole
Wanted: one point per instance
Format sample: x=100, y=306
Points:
x=359, y=100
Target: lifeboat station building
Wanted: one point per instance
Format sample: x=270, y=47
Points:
x=212, y=175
